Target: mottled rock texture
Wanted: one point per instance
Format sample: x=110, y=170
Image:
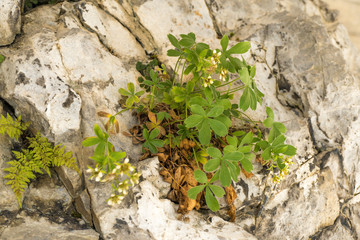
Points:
x=71, y=59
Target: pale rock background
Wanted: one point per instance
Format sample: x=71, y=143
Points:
x=70, y=59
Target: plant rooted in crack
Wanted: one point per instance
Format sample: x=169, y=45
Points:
x=110, y=164
x=39, y=155
x=185, y=118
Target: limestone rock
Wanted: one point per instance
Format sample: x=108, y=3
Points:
x=35, y=227
x=313, y=203
x=8, y=201
x=145, y=215
x=10, y=20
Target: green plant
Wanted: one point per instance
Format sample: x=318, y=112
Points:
x=2, y=58
x=110, y=166
x=39, y=156
x=196, y=100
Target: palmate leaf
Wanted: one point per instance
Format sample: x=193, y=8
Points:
x=200, y=176
x=211, y=201
x=205, y=133
x=193, y=192
x=218, y=191
x=239, y=48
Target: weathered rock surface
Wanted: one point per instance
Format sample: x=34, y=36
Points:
x=35, y=227
x=72, y=58
x=10, y=20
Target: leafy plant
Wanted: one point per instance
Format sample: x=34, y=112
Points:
x=185, y=119
x=39, y=156
x=110, y=166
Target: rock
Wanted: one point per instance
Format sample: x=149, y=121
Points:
x=10, y=20
x=313, y=203
x=135, y=217
x=111, y=32
x=8, y=201
x=35, y=227
x=47, y=195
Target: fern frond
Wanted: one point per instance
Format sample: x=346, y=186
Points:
x=62, y=158
x=42, y=152
x=20, y=173
x=13, y=128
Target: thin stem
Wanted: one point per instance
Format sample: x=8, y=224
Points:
x=234, y=89
x=227, y=83
x=182, y=73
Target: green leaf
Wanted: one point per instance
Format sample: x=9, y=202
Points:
x=193, y=192
x=193, y=120
x=200, y=176
x=197, y=109
x=239, y=48
x=278, y=140
x=245, y=99
x=145, y=133
x=247, y=138
x=100, y=149
x=244, y=76
x=225, y=178
x=218, y=127
x=189, y=69
x=233, y=156
x=214, y=152
x=173, y=53
x=131, y=87
x=118, y=155
x=224, y=42
x=246, y=165
x=154, y=133
x=211, y=201
x=212, y=164
x=224, y=119
x=215, y=111
x=205, y=133
x=218, y=191
x=290, y=151
x=90, y=141
x=2, y=58
x=281, y=148
x=99, y=132
x=253, y=71
x=279, y=126
x=187, y=42
x=266, y=155
x=198, y=100
x=232, y=140
x=174, y=41
x=208, y=94
x=234, y=170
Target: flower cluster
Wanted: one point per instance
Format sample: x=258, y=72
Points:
x=96, y=173
x=215, y=58
x=208, y=81
x=120, y=188
x=223, y=74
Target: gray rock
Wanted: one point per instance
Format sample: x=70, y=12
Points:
x=35, y=227
x=10, y=20
x=302, y=202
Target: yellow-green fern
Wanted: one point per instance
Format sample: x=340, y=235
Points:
x=38, y=157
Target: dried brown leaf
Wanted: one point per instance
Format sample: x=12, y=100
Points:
x=152, y=117
x=103, y=114
x=247, y=174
